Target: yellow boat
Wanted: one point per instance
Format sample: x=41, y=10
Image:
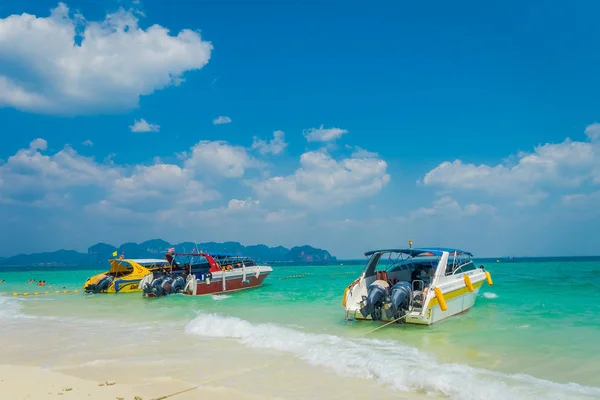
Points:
x=124, y=275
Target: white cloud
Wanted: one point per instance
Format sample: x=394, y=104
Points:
x=566, y=164
x=66, y=64
x=220, y=158
x=323, y=135
x=581, y=199
x=226, y=215
x=143, y=126
x=222, y=120
x=448, y=207
x=273, y=146
x=88, y=143
x=30, y=177
x=159, y=187
x=362, y=153
x=322, y=181
x=593, y=131
x=284, y=216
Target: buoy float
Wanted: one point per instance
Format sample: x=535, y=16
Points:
x=440, y=297
x=468, y=282
x=488, y=276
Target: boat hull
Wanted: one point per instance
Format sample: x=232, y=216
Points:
x=458, y=300
x=226, y=281
x=231, y=285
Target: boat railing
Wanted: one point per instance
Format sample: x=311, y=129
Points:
x=418, y=285
x=417, y=300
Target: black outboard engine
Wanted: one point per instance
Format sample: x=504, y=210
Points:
x=376, y=296
x=154, y=286
x=165, y=286
x=100, y=286
x=178, y=285
x=400, y=297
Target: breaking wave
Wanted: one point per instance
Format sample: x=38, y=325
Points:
x=400, y=367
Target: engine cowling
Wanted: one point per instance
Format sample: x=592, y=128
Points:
x=400, y=298
x=377, y=293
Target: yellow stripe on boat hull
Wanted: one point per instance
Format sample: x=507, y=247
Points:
x=453, y=294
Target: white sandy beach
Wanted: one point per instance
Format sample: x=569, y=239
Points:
x=272, y=382
x=26, y=382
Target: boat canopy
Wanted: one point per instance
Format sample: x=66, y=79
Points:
x=214, y=255
x=142, y=261
x=421, y=252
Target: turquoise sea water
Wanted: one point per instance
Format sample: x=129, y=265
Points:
x=534, y=334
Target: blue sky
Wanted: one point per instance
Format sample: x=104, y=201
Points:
x=345, y=126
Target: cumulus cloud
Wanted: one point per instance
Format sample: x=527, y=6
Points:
x=273, y=146
x=323, y=134
x=222, y=120
x=448, y=207
x=143, y=126
x=160, y=186
x=581, y=199
x=65, y=64
x=220, y=158
x=362, y=153
x=88, y=143
x=322, y=181
x=32, y=177
x=593, y=131
x=552, y=165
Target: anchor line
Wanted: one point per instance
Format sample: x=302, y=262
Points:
x=383, y=326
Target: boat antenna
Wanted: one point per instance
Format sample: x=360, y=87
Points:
x=409, y=243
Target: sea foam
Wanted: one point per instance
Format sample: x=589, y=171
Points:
x=10, y=308
x=398, y=366
x=220, y=296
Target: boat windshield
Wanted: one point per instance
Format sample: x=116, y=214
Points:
x=125, y=266
x=459, y=265
x=392, y=262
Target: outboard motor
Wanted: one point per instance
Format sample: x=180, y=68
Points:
x=166, y=286
x=100, y=286
x=178, y=285
x=376, y=295
x=154, y=286
x=400, y=297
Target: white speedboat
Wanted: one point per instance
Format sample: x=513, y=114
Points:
x=415, y=286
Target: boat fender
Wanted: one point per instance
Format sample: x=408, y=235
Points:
x=488, y=276
x=440, y=298
x=350, y=286
x=467, y=279
x=344, y=297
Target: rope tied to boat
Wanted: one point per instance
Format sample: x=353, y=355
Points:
x=384, y=325
x=210, y=381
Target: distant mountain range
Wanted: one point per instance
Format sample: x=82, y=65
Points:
x=156, y=248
